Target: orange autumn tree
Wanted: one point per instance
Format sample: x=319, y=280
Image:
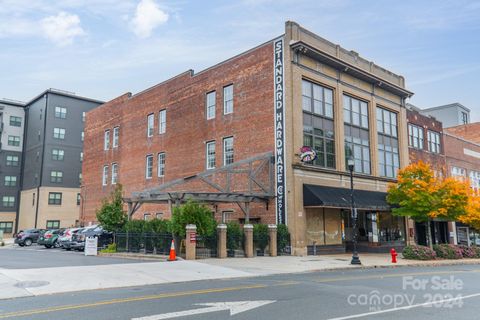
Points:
x=420, y=195
x=472, y=215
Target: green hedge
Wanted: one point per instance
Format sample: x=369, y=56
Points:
x=260, y=236
x=418, y=253
x=448, y=251
x=283, y=237
x=234, y=236
x=146, y=226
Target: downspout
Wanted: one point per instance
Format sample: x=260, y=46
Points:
x=43, y=155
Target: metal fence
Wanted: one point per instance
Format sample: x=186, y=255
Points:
x=206, y=246
x=284, y=247
x=148, y=243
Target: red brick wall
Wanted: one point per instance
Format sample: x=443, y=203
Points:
x=436, y=160
x=456, y=157
x=251, y=125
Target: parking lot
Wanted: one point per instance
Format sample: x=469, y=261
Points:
x=36, y=256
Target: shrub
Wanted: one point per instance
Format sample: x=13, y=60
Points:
x=135, y=226
x=476, y=249
x=234, y=236
x=260, y=236
x=418, y=253
x=467, y=252
x=283, y=237
x=158, y=226
x=111, y=214
x=447, y=251
x=111, y=248
x=193, y=213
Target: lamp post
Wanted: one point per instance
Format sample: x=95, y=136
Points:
x=355, y=258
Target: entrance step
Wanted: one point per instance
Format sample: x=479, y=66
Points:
x=325, y=249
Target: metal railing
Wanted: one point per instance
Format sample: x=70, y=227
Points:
x=148, y=243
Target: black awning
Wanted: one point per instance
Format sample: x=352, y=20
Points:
x=322, y=196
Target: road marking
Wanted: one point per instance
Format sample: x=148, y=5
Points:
x=361, y=315
x=123, y=300
x=235, y=307
x=396, y=275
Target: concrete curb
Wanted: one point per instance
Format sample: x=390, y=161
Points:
x=139, y=256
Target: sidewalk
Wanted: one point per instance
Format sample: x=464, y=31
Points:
x=33, y=282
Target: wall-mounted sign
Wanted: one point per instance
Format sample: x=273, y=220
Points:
x=280, y=186
x=307, y=154
x=193, y=237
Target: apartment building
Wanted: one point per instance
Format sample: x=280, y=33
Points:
x=266, y=110
x=452, y=114
x=12, y=121
x=52, y=159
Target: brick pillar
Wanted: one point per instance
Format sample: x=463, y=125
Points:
x=222, y=241
x=190, y=242
x=248, y=230
x=272, y=239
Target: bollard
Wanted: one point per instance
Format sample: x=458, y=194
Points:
x=272, y=239
x=190, y=242
x=248, y=230
x=222, y=241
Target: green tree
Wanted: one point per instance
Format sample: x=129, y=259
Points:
x=193, y=213
x=111, y=214
x=420, y=195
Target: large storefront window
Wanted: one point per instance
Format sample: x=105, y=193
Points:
x=375, y=227
x=324, y=227
x=318, y=131
x=388, y=157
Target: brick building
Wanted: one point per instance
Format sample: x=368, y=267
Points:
x=299, y=90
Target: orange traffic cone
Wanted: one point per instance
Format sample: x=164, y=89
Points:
x=173, y=255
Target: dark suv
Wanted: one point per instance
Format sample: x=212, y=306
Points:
x=104, y=237
x=27, y=237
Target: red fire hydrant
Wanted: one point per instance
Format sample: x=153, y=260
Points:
x=394, y=255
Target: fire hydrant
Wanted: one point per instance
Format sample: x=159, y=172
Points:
x=394, y=255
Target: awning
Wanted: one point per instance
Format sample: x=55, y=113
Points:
x=322, y=196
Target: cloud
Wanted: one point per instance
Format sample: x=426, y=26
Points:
x=148, y=16
x=62, y=29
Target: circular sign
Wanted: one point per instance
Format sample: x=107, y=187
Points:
x=307, y=154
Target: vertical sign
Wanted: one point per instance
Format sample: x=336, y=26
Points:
x=279, y=131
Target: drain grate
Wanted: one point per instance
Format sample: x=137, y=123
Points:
x=31, y=284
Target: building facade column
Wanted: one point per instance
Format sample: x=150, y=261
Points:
x=248, y=231
x=222, y=241
x=190, y=242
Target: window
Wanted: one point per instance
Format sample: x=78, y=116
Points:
x=114, y=173
x=10, y=181
x=56, y=176
x=60, y=112
x=459, y=173
x=106, y=140
x=433, y=141
x=162, y=121
x=464, y=118
x=79, y=198
x=388, y=158
x=357, y=141
x=14, y=141
x=82, y=137
x=317, y=99
x=116, y=132
x=150, y=124
x=210, y=155
x=53, y=224
x=58, y=154
x=149, y=167
x=83, y=116
x=318, y=132
x=55, y=198
x=6, y=227
x=227, y=151
x=158, y=215
x=415, y=136
x=8, y=201
x=228, y=99
x=12, y=161
x=59, y=133
x=146, y=216
x=210, y=108
x=81, y=156
x=80, y=177
x=15, y=121
x=475, y=180
x=105, y=175
x=161, y=164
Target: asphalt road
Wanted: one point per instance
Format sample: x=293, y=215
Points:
x=390, y=293
x=35, y=256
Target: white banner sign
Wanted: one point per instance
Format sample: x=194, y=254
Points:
x=91, y=246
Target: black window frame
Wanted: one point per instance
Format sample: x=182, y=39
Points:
x=56, y=200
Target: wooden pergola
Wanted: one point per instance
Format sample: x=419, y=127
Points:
x=242, y=182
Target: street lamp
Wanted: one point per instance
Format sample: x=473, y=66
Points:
x=355, y=258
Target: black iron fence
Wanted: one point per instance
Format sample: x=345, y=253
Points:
x=235, y=244
x=260, y=244
x=284, y=247
x=148, y=243
x=206, y=246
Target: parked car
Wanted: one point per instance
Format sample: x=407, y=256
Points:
x=67, y=236
x=50, y=238
x=104, y=237
x=70, y=238
x=28, y=236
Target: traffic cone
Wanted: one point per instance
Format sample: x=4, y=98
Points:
x=173, y=255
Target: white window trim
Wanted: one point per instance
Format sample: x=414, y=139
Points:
x=206, y=154
x=224, y=149
x=214, y=93
x=114, y=175
x=106, y=140
x=116, y=137
x=146, y=166
x=105, y=175
x=162, y=121
x=225, y=100
x=150, y=132
x=159, y=165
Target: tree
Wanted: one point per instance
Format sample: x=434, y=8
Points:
x=193, y=213
x=472, y=216
x=420, y=195
x=111, y=214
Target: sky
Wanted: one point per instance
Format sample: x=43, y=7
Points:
x=104, y=48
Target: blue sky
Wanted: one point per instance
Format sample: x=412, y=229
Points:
x=104, y=48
